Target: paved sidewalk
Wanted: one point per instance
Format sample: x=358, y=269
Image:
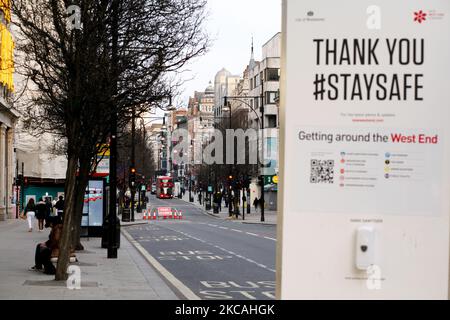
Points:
x=270, y=217
x=129, y=277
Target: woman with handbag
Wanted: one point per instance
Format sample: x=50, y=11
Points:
x=29, y=213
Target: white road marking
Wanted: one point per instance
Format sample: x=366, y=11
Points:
x=235, y=230
x=224, y=228
x=268, y=238
x=227, y=251
x=185, y=291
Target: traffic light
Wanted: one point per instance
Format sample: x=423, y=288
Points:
x=132, y=176
x=230, y=180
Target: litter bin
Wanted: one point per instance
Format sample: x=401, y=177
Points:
x=105, y=233
x=126, y=215
x=215, y=207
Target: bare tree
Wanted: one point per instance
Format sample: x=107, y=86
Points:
x=145, y=165
x=121, y=57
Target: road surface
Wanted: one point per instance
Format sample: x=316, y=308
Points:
x=208, y=257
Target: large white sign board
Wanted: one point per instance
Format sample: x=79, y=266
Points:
x=365, y=150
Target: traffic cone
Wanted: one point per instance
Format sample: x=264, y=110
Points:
x=171, y=215
x=180, y=216
x=175, y=215
x=144, y=217
x=154, y=215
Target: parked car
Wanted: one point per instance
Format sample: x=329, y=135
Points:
x=153, y=190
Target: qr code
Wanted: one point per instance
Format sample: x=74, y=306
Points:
x=322, y=171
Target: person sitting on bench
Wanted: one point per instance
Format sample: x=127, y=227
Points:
x=49, y=250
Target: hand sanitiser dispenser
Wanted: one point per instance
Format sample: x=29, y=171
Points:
x=365, y=247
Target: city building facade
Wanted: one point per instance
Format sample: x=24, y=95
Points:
x=224, y=85
x=264, y=77
x=8, y=114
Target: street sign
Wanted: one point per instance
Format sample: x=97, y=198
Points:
x=164, y=211
x=143, y=187
x=364, y=172
x=104, y=150
x=275, y=179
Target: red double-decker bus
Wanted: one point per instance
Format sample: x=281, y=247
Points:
x=164, y=187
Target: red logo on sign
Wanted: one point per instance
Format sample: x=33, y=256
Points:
x=420, y=16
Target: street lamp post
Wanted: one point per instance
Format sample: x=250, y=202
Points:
x=262, y=150
x=17, y=189
x=190, y=185
x=133, y=162
x=261, y=109
x=230, y=170
x=112, y=243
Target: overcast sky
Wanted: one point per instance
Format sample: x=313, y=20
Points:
x=231, y=24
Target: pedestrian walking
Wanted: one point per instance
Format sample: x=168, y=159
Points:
x=255, y=203
x=29, y=213
x=41, y=210
x=244, y=202
x=48, y=212
x=225, y=199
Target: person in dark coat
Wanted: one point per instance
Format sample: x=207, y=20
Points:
x=41, y=210
x=44, y=250
x=219, y=200
x=256, y=203
x=48, y=212
x=59, y=205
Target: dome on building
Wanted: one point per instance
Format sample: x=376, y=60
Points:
x=209, y=89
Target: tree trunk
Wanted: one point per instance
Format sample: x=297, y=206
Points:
x=69, y=221
x=82, y=183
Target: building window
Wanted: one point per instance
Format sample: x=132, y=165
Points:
x=256, y=103
x=272, y=121
x=271, y=97
x=272, y=74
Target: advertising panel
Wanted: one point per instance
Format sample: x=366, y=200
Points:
x=364, y=179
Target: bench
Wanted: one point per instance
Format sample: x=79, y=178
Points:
x=72, y=259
